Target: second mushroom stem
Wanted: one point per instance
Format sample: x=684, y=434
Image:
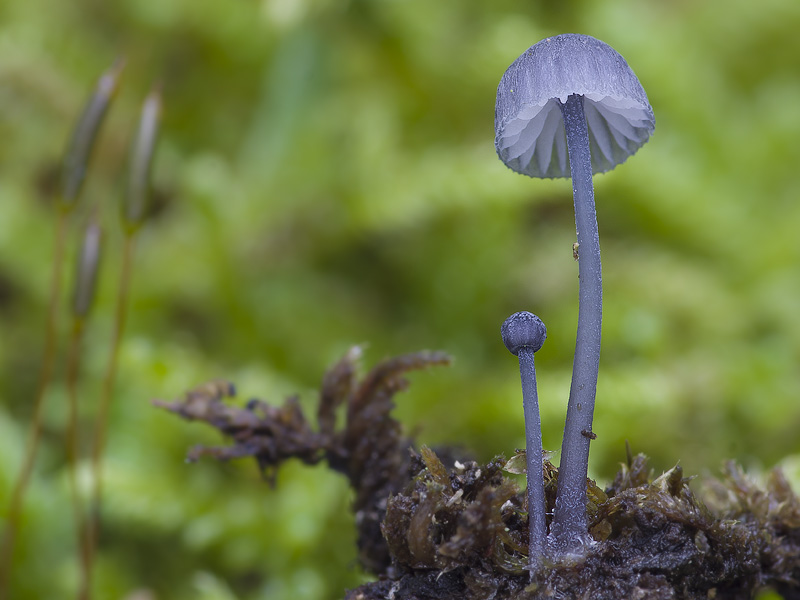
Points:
x=533, y=453
x=569, y=527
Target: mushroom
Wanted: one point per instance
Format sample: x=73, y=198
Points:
x=572, y=95
x=523, y=334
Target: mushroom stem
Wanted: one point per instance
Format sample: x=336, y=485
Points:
x=537, y=523
x=569, y=527
x=523, y=334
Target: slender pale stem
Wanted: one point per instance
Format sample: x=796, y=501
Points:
x=533, y=450
x=23, y=479
x=101, y=426
x=73, y=373
x=569, y=526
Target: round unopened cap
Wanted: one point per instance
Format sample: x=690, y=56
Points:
x=529, y=127
x=523, y=329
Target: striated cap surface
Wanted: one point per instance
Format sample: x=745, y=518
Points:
x=529, y=128
x=523, y=329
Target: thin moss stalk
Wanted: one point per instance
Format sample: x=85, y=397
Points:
x=74, y=168
x=99, y=438
x=135, y=208
x=45, y=374
x=83, y=299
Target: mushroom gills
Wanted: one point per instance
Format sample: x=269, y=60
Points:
x=535, y=140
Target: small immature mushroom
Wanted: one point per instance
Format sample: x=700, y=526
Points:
x=572, y=95
x=523, y=334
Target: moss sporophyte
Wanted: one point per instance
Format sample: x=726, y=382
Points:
x=135, y=209
x=74, y=168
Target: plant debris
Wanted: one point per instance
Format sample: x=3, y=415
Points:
x=369, y=450
x=443, y=529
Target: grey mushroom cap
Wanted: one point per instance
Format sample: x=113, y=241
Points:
x=529, y=127
x=523, y=330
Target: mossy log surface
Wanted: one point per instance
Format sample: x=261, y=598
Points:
x=433, y=527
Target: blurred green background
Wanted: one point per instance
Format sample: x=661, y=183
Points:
x=327, y=177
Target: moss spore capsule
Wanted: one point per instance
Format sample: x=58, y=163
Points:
x=82, y=142
x=137, y=192
x=88, y=264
